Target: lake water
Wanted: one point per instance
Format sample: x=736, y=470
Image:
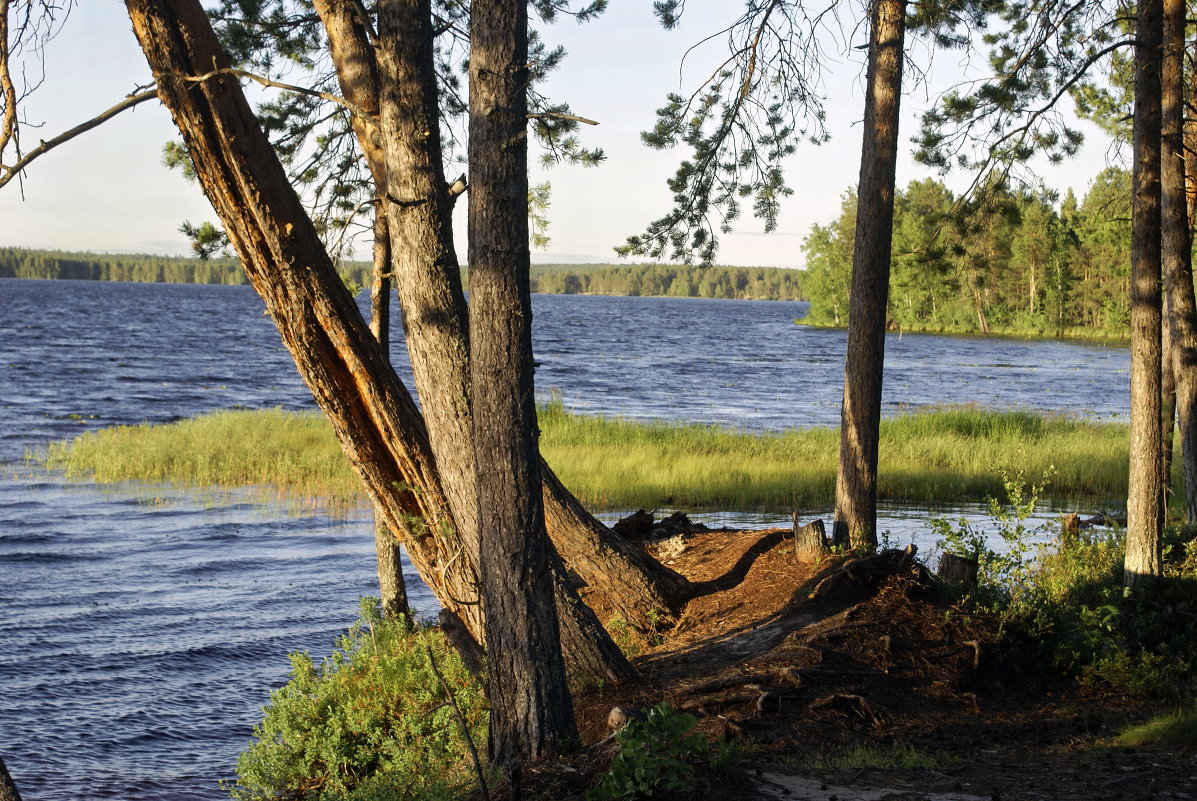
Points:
x=142, y=627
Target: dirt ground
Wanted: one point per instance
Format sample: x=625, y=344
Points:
x=803, y=660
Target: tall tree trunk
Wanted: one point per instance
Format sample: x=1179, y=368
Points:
x=8, y=788
x=1178, y=249
x=434, y=308
x=1145, y=480
x=531, y=713
x=856, y=479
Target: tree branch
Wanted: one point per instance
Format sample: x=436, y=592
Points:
x=340, y=101
x=557, y=115
x=7, y=173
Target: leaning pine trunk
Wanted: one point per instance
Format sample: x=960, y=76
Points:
x=634, y=586
x=343, y=365
x=372, y=415
x=856, y=478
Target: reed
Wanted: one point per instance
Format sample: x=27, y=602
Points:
x=935, y=456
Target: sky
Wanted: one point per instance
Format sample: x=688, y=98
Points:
x=107, y=191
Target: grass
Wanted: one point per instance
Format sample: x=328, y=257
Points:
x=942, y=455
x=1175, y=730
x=855, y=757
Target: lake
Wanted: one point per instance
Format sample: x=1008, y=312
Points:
x=142, y=627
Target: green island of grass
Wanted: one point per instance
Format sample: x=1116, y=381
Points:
x=935, y=456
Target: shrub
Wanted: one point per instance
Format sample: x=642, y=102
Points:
x=653, y=757
x=369, y=722
x=1069, y=602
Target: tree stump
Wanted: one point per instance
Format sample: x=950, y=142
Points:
x=959, y=571
x=1070, y=529
x=810, y=541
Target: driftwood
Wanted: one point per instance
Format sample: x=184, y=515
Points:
x=866, y=572
x=810, y=541
x=958, y=571
x=843, y=702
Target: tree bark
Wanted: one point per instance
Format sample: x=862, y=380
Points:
x=1145, y=479
x=8, y=788
x=1178, y=251
x=392, y=589
x=531, y=713
x=860, y=416
x=810, y=541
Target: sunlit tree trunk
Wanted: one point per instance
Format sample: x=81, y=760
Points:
x=1145, y=481
x=392, y=589
x=856, y=479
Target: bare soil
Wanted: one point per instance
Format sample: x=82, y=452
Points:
x=801, y=661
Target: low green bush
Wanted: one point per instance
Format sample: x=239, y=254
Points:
x=1069, y=604
x=655, y=755
x=369, y=722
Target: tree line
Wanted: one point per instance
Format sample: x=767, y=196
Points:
x=1019, y=262
x=655, y=280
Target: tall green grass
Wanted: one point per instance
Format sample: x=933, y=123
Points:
x=944, y=455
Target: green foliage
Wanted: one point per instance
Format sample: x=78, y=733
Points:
x=1070, y=606
x=760, y=101
x=1174, y=730
x=369, y=722
x=669, y=280
x=655, y=756
x=658, y=280
x=1004, y=574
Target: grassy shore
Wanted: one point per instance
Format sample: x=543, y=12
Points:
x=939, y=456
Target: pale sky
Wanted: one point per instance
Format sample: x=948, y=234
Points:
x=108, y=192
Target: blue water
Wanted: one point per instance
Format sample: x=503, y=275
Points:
x=142, y=627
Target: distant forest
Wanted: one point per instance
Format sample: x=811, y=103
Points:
x=754, y=283
x=1016, y=262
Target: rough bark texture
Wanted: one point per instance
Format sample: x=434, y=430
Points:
x=1145, y=490
x=810, y=541
x=1177, y=258
x=531, y=712
x=8, y=788
x=638, y=588
x=427, y=277
x=959, y=571
x=860, y=416
x=371, y=412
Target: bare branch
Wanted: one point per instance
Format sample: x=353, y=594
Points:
x=7, y=172
x=264, y=81
x=557, y=115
